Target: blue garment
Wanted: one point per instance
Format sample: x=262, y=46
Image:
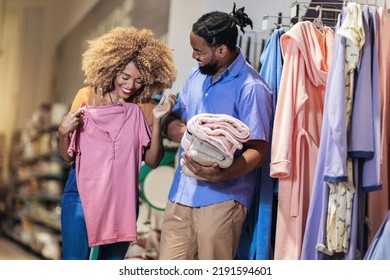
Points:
x=371, y=173
x=74, y=230
x=365, y=117
x=272, y=64
x=256, y=241
x=241, y=93
x=379, y=248
x=316, y=219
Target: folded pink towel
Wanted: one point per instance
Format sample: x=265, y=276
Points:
x=222, y=131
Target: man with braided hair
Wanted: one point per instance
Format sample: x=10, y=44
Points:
x=203, y=218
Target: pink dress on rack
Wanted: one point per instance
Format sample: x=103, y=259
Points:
x=109, y=145
x=307, y=55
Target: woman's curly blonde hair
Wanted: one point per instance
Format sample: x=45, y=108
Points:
x=109, y=54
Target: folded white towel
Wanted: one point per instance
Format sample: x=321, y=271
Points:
x=203, y=153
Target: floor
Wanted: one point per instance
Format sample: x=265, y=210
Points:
x=147, y=247
x=10, y=250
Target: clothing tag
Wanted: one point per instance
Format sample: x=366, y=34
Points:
x=264, y=25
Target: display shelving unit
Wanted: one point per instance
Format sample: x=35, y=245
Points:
x=36, y=182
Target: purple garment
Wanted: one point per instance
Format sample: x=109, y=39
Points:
x=364, y=139
x=316, y=219
x=380, y=246
x=371, y=177
x=333, y=145
x=360, y=142
x=331, y=164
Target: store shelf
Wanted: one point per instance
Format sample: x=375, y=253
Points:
x=38, y=175
x=37, y=239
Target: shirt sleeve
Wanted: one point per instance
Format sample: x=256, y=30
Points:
x=255, y=110
x=289, y=101
x=144, y=130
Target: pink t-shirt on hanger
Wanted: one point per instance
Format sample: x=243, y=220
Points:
x=109, y=145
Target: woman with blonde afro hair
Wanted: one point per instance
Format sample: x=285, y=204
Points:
x=108, y=55
x=107, y=134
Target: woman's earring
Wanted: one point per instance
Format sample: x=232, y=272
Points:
x=100, y=90
x=99, y=100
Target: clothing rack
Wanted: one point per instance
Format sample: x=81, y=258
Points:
x=320, y=9
x=250, y=43
x=323, y=12
x=267, y=18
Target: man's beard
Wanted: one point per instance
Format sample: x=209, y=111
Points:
x=208, y=69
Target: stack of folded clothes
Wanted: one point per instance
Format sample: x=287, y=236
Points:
x=213, y=138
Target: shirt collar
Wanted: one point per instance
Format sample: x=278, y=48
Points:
x=235, y=68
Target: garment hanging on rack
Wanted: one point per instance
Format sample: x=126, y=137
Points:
x=379, y=202
x=379, y=248
x=271, y=60
x=339, y=215
x=307, y=54
x=256, y=237
x=341, y=193
x=335, y=146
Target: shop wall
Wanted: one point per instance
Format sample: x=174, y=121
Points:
x=106, y=15
x=41, y=42
x=185, y=12
x=29, y=30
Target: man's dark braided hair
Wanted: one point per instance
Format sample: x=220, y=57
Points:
x=218, y=28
